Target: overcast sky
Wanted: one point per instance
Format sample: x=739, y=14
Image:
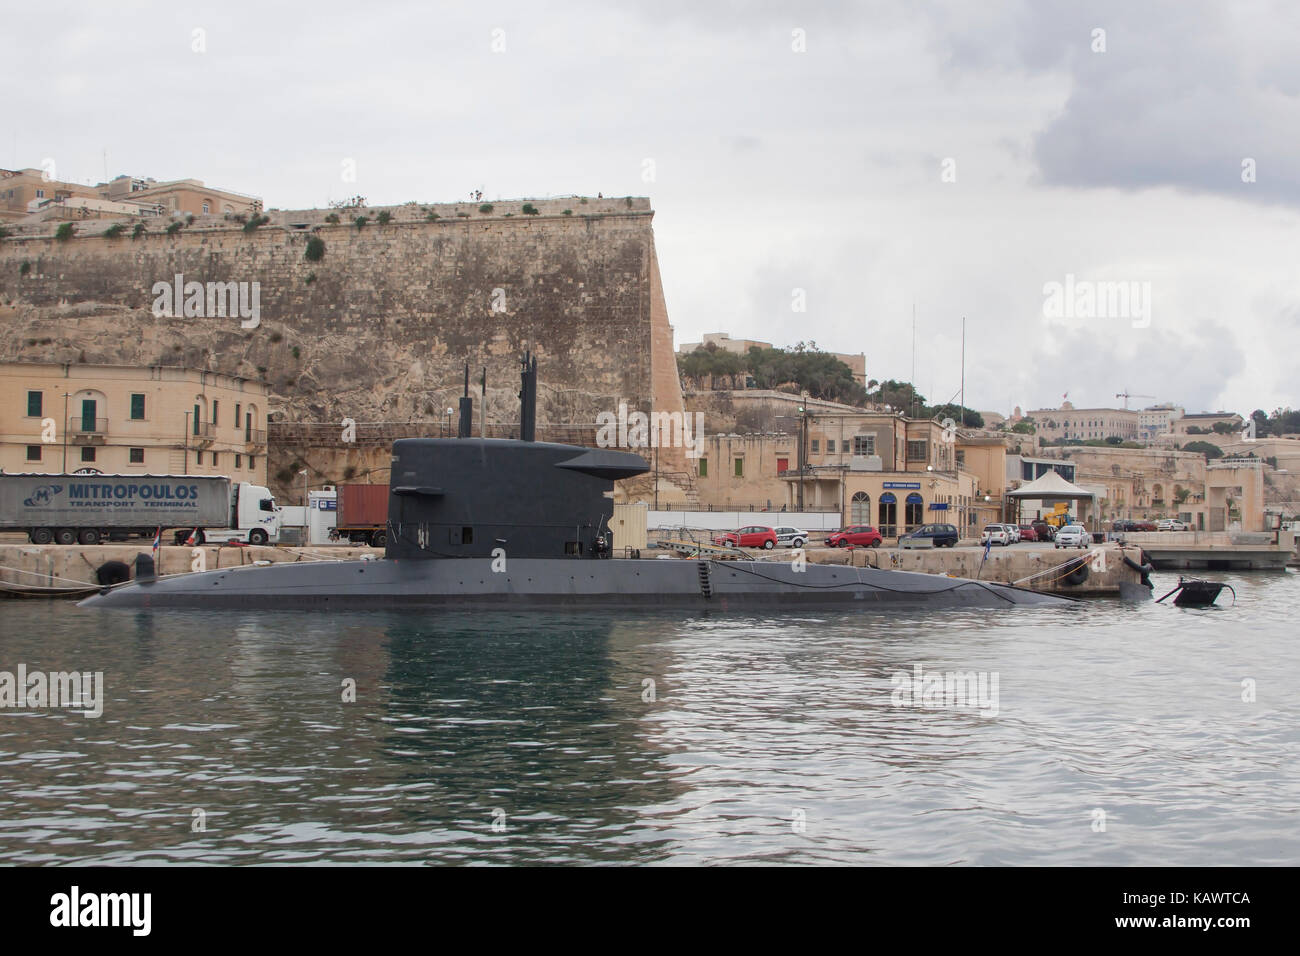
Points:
x=955, y=158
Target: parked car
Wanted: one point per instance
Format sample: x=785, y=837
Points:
x=1122, y=524
x=1170, y=524
x=857, y=535
x=944, y=535
x=1073, y=536
x=1044, y=530
x=791, y=537
x=755, y=536
x=1143, y=526
x=1027, y=533
x=1013, y=532
x=996, y=534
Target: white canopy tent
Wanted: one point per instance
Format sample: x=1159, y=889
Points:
x=1050, y=487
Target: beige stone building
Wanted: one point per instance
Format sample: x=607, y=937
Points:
x=23, y=191
x=131, y=420
x=180, y=196
x=1066, y=422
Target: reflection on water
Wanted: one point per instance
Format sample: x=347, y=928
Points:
x=514, y=738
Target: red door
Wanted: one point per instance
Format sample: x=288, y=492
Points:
x=782, y=464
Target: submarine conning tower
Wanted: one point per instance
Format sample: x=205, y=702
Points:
x=466, y=497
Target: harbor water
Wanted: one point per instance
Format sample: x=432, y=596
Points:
x=1112, y=733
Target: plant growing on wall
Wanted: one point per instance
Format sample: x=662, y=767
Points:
x=174, y=228
x=529, y=209
x=384, y=217
x=432, y=216
x=360, y=222
x=332, y=219
x=315, y=250
x=567, y=212
x=138, y=231
x=25, y=268
x=485, y=208
x=115, y=230
x=65, y=231
x=255, y=222
x=4, y=233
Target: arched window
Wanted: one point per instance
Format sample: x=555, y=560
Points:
x=914, y=514
x=860, y=508
x=888, y=514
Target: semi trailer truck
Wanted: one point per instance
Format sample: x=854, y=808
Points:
x=88, y=509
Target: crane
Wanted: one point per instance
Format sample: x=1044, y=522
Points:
x=1126, y=395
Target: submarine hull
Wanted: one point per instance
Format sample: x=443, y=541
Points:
x=547, y=582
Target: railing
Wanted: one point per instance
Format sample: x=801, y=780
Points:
x=255, y=436
x=83, y=425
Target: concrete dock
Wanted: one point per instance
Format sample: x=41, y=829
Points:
x=1216, y=551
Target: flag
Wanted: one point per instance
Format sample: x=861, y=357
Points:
x=194, y=536
x=157, y=541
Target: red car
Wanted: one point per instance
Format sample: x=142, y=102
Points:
x=857, y=536
x=1027, y=533
x=755, y=536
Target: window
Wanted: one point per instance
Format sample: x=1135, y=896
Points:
x=918, y=450
x=961, y=458
x=860, y=508
x=237, y=460
x=888, y=514
x=196, y=419
x=205, y=209
x=137, y=407
x=214, y=411
x=237, y=418
x=34, y=404
x=33, y=452
x=198, y=458
x=250, y=462
x=248, y=426
x=864, y=444
x=214, y=459
x=703, y=469
x=740, y=468
x=816, y=446
x=88, y=453
x=914, y=510
x=137, y=456
x=830, y=446
x=40, y=194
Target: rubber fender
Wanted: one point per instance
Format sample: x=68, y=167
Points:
x=113, y=572
x=1080, y=573
x=1142, y=569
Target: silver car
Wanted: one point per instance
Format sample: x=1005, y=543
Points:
x=1073, y=536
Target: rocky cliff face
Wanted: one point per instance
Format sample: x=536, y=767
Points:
x=378, y=329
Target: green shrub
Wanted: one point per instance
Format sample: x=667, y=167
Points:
x=4, y=233
x=174, y=228
x=311, y=277
x=485, y=208
x=384, y=217
x=115, y=230
x=315, y=251
x=567, y=212
x=529, y=209
x=255, y=222
x=25, y=268
x=138, y=231
x=360, y=222
x=432, y=216
x=332, y=218
x=296, y=353
x=463, y=215
x=65, y=231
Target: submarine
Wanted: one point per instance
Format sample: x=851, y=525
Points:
x=518, y=523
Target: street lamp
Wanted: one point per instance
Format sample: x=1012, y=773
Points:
x=304, y=486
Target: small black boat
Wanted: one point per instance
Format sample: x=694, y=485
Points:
x=1193, y=592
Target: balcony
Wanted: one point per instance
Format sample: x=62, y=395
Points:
x=255, y=436
x=83, y=430
x=203, y=434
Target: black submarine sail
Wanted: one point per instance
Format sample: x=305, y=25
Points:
x=468, y=497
